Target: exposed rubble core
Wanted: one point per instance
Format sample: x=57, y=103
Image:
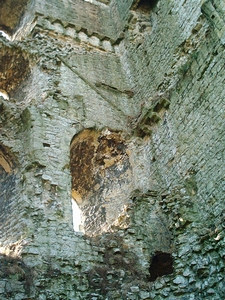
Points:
x=119, y=106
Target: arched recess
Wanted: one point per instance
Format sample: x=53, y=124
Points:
x=11, y=12
x=144, y=5
x=7, y=187
x=101, y=177
x=14, y=69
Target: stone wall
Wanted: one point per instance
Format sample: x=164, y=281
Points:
x=118, y=106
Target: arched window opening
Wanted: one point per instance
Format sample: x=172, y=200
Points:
x=101, y=178
x=77, y=225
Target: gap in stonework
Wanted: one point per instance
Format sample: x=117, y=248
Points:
x=146, y=5
x=4, y=94
x=76, y=216
x=161, y=264
x=5, y=35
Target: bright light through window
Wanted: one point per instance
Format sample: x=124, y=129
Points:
x=5, y=35
x=4, y=94
x=76, y=216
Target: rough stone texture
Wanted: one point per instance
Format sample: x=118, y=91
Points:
x=120, y=106
x=11, y=13
x=98, y=161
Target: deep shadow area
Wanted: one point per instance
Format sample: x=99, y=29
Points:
x=146, y=5
x=13, y=268
x=161, y=264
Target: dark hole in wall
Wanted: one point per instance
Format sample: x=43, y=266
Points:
x=161, y=264
x=46, y=145
x=146, y=5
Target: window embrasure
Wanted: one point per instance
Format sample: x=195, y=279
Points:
x=101, y=177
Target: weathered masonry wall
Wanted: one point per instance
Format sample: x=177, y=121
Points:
x=9, y=190
x=119, y=106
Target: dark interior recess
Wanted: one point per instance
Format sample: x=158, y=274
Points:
x=146, y=5
x=161, y=264
x=46, y=145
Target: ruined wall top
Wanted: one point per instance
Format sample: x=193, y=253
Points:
x=93, y=17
